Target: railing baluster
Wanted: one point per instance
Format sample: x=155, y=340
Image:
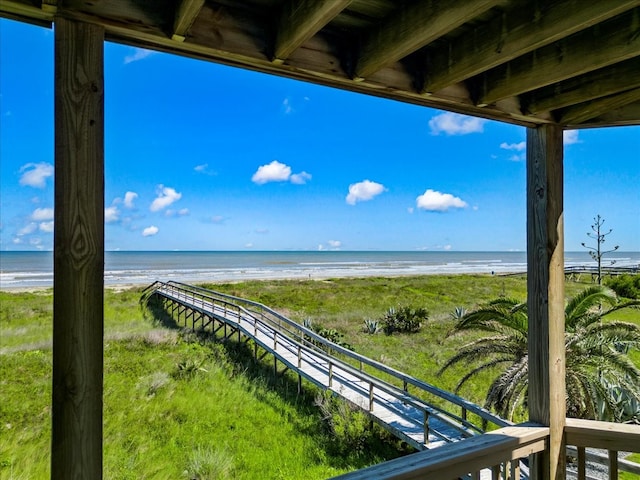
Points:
x=582, y=464
x=371, y=397
x=495, y=472
x=613, y=465
x=426, y=426
x=330, y=374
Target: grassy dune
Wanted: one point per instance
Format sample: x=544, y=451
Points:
x=178, y=407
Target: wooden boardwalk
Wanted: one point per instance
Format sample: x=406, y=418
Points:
x=414, y=411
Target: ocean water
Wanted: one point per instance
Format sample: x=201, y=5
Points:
x=32, y=269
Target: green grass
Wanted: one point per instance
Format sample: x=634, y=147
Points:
x=183, y=408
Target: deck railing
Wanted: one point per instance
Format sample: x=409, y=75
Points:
x=501, y=453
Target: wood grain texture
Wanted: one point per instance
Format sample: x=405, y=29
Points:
x=302, y=19
x=413, y=27
x=76, y=451
x=612, y=41
x=513, y=34
x=545, y=285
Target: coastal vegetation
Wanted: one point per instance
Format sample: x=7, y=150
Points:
x=181, y=406
x=601, y=380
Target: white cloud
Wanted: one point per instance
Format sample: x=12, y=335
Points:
x=434, y=201
x=28, y=229
x=363, y=191
x=46, y=227
x=217, y=219
x=335, y=244
x=300, y=178
x=111, y=214
x=150, y=231
x=42, y=214
x=570, y=137
x=518, y=147
x=262, y=231
x=518, y=158
x=248, y=245
x=204, y=169
x=138, y=54
x=129, y=198
x=180, y=213
x=272, y=172
x=410, y=209
x=279, y=172
x=16, y=240
x=455, y=124
x=166, y=196
x=36, y=174
x=287, y=108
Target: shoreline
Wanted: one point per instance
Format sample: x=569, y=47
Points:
x=122, y=286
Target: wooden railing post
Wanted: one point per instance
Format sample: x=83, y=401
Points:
x=426, y=426
x=78, y=252
x=545, y=286
x=330, y=374
x=613, y=465
x=371, y=397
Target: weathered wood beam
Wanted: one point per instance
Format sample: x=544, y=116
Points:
x=582, y=113
x=300, y=20
x=186, y=14
x=600, y=83
x=50, y=6
x=611, y=42
x=512, y=34
x=413, y=27
x=545, y=287
x=78, y=252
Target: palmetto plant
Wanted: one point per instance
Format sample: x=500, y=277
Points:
x=596, y=359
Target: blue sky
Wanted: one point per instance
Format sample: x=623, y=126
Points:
x=199, y=156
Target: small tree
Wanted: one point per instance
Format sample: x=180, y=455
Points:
x=597, y=253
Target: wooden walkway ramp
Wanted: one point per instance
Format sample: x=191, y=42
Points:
x=415, y=411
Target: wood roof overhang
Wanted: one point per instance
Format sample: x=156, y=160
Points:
x=575, y=63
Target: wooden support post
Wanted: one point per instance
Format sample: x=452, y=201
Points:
x=545, y=302
x=78, y=252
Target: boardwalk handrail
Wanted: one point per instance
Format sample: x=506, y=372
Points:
x=179, y=294
x=307, y=337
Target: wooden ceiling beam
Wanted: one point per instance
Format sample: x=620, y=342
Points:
x=513, y=34
x=613, y=41
x=411, y=28
x=300, y=20
x=597, y=84
x=589, y=110
x=186, y=14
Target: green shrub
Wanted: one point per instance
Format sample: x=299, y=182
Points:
x=627, y=286
x=371, y=326
x=330, y=334
x=209, y=464
x=404, y=320
x=349, y=427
